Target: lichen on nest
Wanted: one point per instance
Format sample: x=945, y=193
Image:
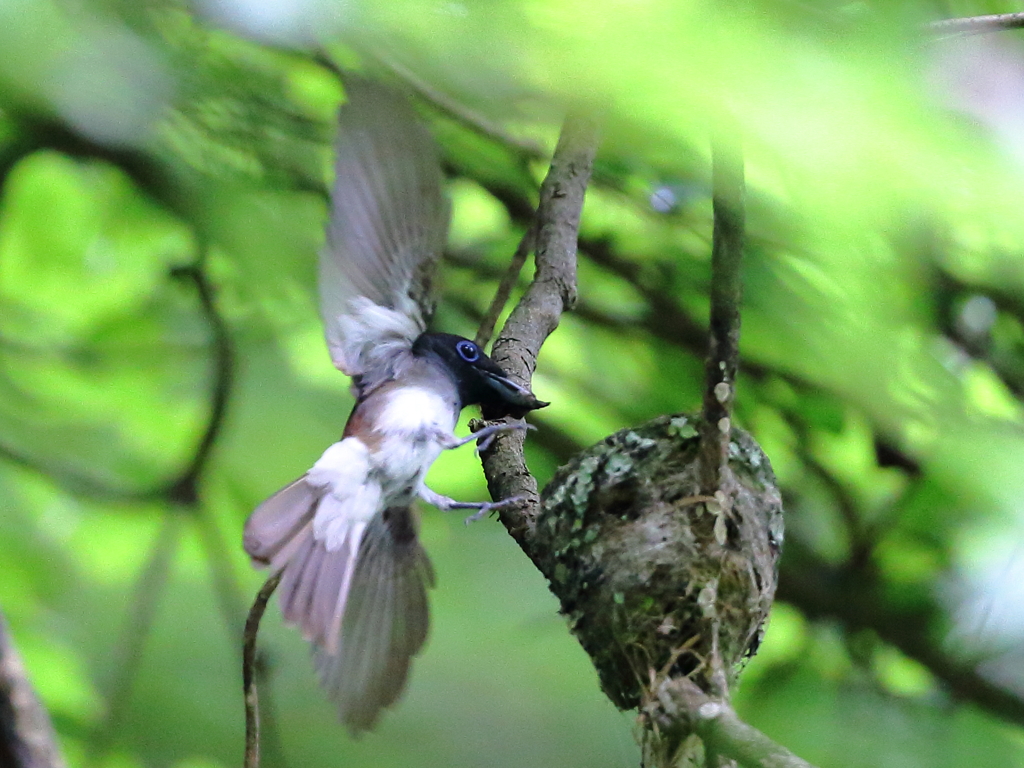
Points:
x=647, y=570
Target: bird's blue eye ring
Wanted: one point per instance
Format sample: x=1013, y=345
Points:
x=468, y=351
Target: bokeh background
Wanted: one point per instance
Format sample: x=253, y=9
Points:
x=164, y=167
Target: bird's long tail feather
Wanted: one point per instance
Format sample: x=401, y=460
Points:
x=384, y=625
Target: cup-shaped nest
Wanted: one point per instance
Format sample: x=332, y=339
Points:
x=653, y=577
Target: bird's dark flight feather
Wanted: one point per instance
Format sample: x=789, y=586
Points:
x=388, y=224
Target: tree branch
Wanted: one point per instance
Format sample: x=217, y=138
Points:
x=724, y=336
x=250, y=669
x=977, y=25
x=182, y=492
x=182, y=487
x=27, y=739
x=505, y=287
x=817, y=589
x=552, y=292
x=680, y=704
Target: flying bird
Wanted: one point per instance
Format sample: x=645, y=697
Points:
x=354, y=575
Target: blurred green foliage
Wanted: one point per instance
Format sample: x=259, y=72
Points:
x=158, y=154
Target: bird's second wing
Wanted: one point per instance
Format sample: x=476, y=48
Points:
x=388, y=224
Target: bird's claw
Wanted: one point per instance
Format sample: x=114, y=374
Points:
x=485, y=442
x=489, y=506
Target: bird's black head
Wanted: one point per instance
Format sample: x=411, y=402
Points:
x=479, y=379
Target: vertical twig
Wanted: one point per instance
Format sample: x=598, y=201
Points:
x=249, y=670
x=508, y=282
x=27, y=739
x=726, y=289
x=186, y=489
x=232, y=605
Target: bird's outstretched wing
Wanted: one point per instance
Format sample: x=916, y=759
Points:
x=362, y=604
x=388, y=225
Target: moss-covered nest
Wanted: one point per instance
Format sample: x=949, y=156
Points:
x=647, y=570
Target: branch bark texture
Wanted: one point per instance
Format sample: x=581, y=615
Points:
x=552, y=292
x=678, y=703
x=27, y=739
x=249, y=670
x=726, y=290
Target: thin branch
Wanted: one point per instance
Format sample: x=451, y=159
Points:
x=34, y=131
x=250, y=668
x=505, y=287
x=860, y=543
x=445, y=104
x=520, y=149
x=665, y=318
x=977, y=25
x=460, y=113
x=180, y=491
x=680, y=704
x=552, y=292
x=949, y=289
x=184, y=490
x=724, y=336
x=222, y=574
x=232, y=604
x=27, y=739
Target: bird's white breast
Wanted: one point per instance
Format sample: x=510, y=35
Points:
x=414, y=411
x=410, y=421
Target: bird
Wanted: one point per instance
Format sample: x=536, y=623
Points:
x=353, y=574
